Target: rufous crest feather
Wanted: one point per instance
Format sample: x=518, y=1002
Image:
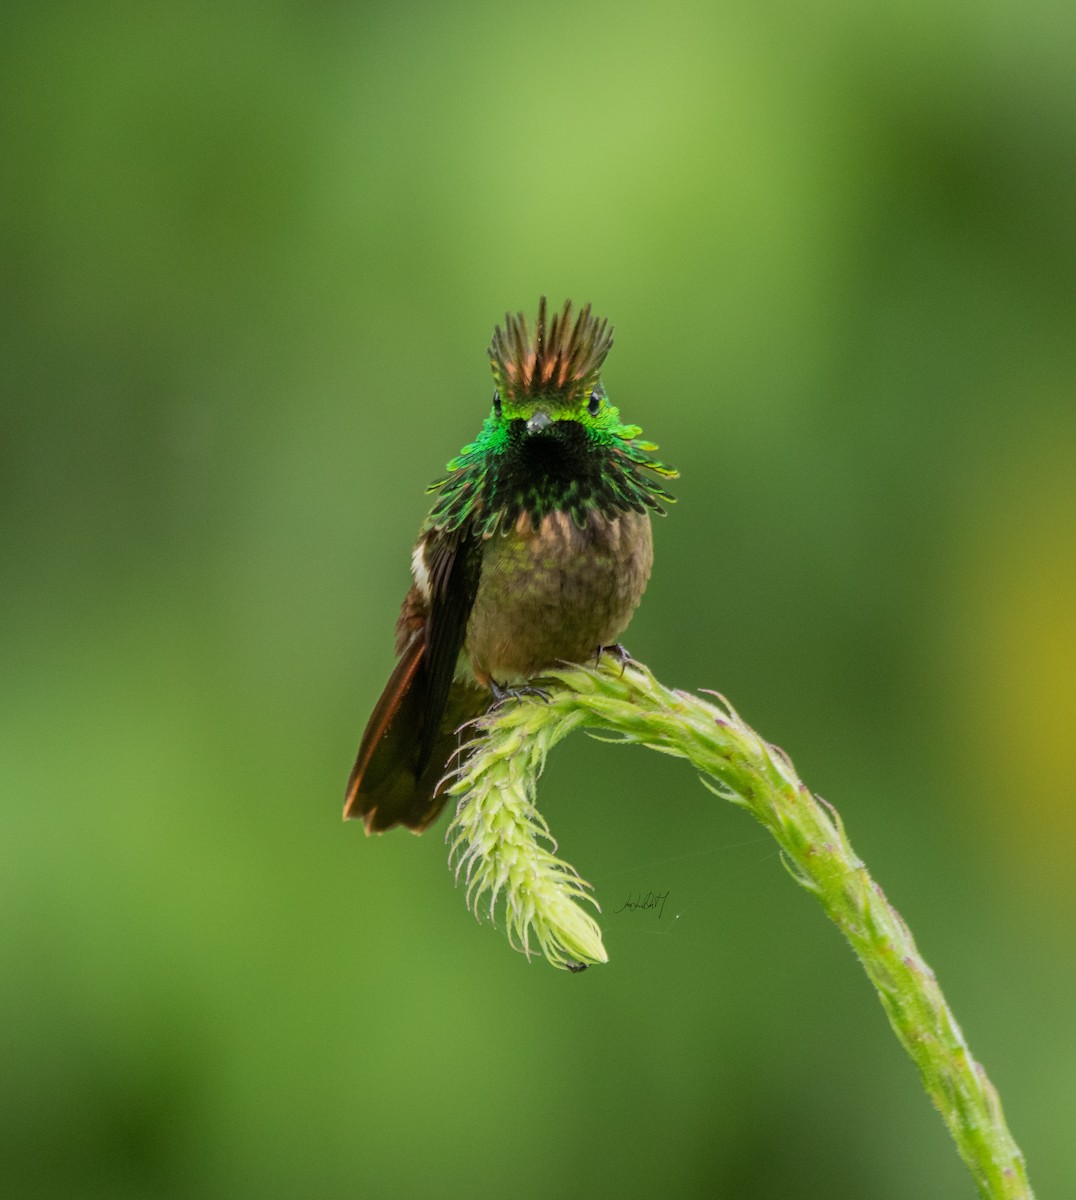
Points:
x=559, y=357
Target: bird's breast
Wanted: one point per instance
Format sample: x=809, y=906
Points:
x=556, y=593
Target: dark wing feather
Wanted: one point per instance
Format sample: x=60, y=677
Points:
x=411, y=731
x=454, y=563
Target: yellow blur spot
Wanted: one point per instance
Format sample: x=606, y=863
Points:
x=1015, y=698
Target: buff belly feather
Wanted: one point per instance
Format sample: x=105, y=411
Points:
x=556, y=593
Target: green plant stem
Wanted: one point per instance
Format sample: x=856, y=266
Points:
x=500, y=771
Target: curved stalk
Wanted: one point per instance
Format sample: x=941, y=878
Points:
x=506, y=853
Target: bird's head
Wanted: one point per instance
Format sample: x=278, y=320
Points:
x=551, y=441
x=551, y=374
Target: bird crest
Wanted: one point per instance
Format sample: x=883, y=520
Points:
x=559, y=357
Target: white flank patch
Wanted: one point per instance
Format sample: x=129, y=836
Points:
x=419, y=572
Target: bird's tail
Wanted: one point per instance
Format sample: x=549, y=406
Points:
x=393, y=782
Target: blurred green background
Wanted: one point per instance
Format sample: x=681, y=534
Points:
x=251, y=258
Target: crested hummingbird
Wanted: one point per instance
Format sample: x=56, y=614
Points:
x=536, y=552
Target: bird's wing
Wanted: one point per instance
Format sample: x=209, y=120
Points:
x=411, y=732
x=454, y=563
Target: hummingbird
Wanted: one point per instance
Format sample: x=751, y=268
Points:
x=536, y=552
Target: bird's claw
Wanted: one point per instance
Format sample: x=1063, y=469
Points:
x=501, y=695
x=616, y=651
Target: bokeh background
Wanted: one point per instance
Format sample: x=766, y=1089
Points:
x=252, y=256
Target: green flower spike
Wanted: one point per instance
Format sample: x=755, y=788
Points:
x=505, y=852
x=502, y=844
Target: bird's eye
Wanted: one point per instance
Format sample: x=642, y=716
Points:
x=497, y=403
x=595, y=402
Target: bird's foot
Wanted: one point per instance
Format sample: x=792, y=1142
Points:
x=501, y=695
x=616, y=651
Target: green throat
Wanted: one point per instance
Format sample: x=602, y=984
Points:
x=568, y=468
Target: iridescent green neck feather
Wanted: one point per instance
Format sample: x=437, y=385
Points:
x=552, y=441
